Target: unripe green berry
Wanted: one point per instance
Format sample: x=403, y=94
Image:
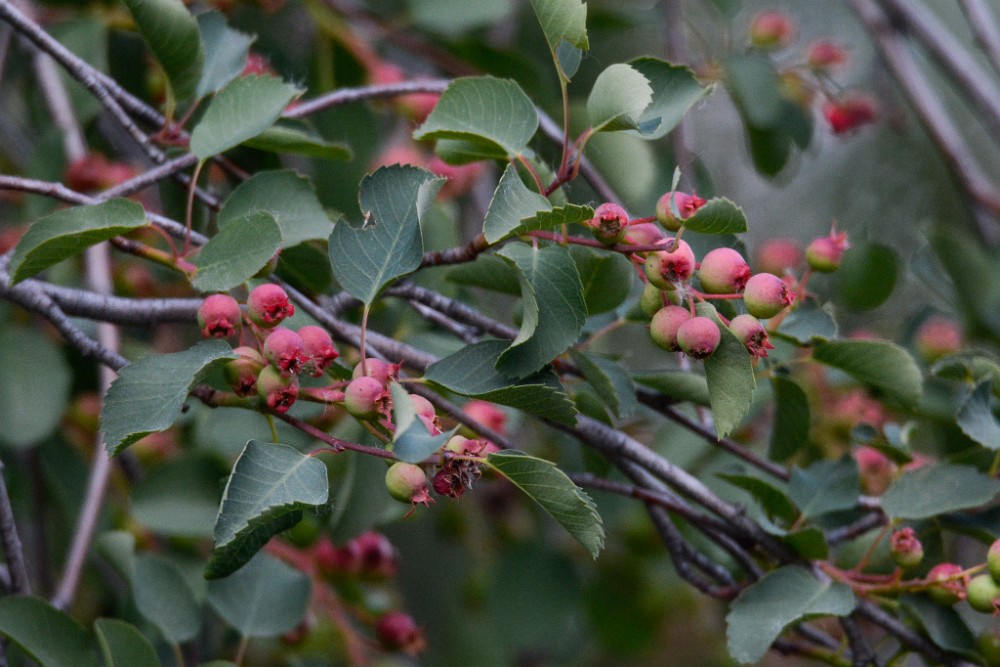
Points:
x=405, y=481
x=824, y=254
x=993, y=561
x=988, y=644
x=652, y=299
x=950, y=588
x=906, y=549
x=983, y=594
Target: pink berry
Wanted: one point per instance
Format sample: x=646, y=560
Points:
x=487, y=414
x=241, y=373
x=664, y=325
x=824, y=55
x=906, y=549
x=699, y=337
x=723, y=271
x=332, y=561
x=407, y=483
x=364, y=397
x=382, y=371
x=397, y=631
x=771, y=30
x=778, y=256
x=378, y=557
x=753, y=335
x=268, y=305
x=426, y=413
x=876, y=470
x=938, y=336
x=283, y=348
x=666, y=269
x=219, y=316
x=948, y=585
x=824, y=254
x=318, y=346
x=849, y=112
x=685, y=204
x=609, y=223
x=278, y=391
x=766, y=295
x=461, y=177
x=645, y=233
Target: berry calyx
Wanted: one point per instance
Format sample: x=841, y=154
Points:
x=283, y=348
x=765, y=295
x=685, y=204
x=983, y=594
x=268, y=305
x=771, y=30
x=752, y=334
x=241, y=374
x=906, y=549
x=723, y=271
x=318, y=347
x=609, y=223
x=219, y=316
x=664, y=325
x=699, y=337
x=669, y=268
x=948, y=583
x=407, y=483
x=397, y=631
x=278, y=391
x=824, y=254
x=364, y=397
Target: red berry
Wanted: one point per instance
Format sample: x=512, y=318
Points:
x=723, y=271
x=331, y=560
x=824, y=254
x=461, y=177
x=664, y=325
x=364, y=397
x=666, y=269
x=278, y=391
x=771, y=30
x=268, y=305
x=378, y=556
x=876, y=469
x=752, y=334
x=699, y=337
x=778, y=256
x=283, y=348
x=685, y=204
x=906, y=549
x=219, y=316
x=948, y=587
x=609, y=223
x=765, y=295
x=824, y=54
x=397, y=631
x=241, y=374
x=318, y=346
x=849, y=112
x=257, y=64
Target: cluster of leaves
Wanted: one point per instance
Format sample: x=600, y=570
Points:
x=863, y=434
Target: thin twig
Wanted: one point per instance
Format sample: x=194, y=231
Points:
x=365, y=93
x=12, y=547
x=984, y=27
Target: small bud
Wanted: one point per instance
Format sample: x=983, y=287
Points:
x=723, y=271
x=699, y=337
x=241, y=373
x=667, y=269
x=824, y=254
x=771, y=30
x=268, y=305
x=906, y=549
x=278, y=391
x=948, y=587
x=685, y=204
x=219, y=316
x=765, y=295
x=609, y=223
x=364, y=397
x=397, y=631
x=283, y=348
x=318, y=346
x=664, y=325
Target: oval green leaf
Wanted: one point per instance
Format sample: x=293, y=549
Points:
x=618, y=99
x=122, y=645
x=675, y=91
x=877, y=363
x=49, y=636
x=937, y=489
x=718, y=216
x=163, y=597
x=730, y=378
x=286, y=195
x=34, y=386
x=238, y=252
x=226, y=52
x=265, y=598
x=173, y=37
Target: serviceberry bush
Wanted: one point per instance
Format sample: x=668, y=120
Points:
x=499, y=333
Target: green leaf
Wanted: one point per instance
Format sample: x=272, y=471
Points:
x=730, y=378
x=287, y=196
x=265, y=598
x=122, y=645
x=762, y=610
x=937, y=489
x=675, y=90
x=810, y=543
x=238, y=252
x=173, y=37
x=554, y=310
x=879, y=364
x=618, y=99
x=944, y=625
x=471, y=372
x=611, y=382
x=560, y=215
x=791, y=419
x=493, y=114
x=488, y=272
x=148, y=394
x=159, y=507
x=388, y=244
x=49, y=636
x=774, y=500
x=163, y=597
x=34, y=386
x=606, y=278
x=562, y=21
x=867, y=276
x=808, y=323
x=825, y=486
x=411, y=441
x=718, y=216
x=678, y=385
x=511, y=204
x=226, y=52
x=69, y=232
x=295, y=141
x=240, y=111
x=548, y=486
x=270, y=485
x=975, y=416
x=756, y=89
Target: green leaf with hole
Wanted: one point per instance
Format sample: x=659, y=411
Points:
x=237, y=253
x=494, y=115
x=173, y=36
x=226, y=52
x=69, y=232
x=825, y=486
x=265, y=598
x=766, y=607
x=932, y=490
x=295, y=141
x=790, y=432
x=553, y=307
x=548, y=486
x=148, y=394
x=717, y=216
x=164, y=598
x=286, y=195
x=675, y=91
x=877, y=363
x=270, y=486
x=618, y=99
x=387, y=244
x=240, y=111
x=50, y=637
x=730, y=378
x=471, y=372
x=975, y=416
x=123, y=645
x=34, y=386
